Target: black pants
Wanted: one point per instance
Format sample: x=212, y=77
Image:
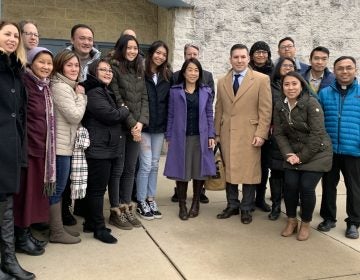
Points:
x=120, y=188
x=99, y=172
x=232, y=196
x=350, y=168
x=303, y=184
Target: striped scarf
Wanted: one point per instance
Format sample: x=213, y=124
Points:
x=79, y=168
x=50, y=155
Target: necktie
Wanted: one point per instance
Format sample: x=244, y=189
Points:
x=236, y=83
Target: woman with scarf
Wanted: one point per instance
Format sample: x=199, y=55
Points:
x=69, y=106
x=13, y=101
x=31, y=205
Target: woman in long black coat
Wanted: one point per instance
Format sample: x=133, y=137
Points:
x=13, y=101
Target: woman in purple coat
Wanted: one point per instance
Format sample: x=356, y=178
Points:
x=190, y=135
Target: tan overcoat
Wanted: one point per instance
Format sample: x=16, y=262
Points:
x=238, y=119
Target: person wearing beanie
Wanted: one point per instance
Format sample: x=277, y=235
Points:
x=260, y=58
x=31, y=204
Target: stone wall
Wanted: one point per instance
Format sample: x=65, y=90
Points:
x=217, y=24
x=108, y=17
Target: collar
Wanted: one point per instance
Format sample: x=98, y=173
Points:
x=242, y=73
x=311, y=78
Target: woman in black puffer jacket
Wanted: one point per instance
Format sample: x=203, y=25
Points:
x=105, y=157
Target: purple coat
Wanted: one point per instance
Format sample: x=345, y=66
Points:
x=176, y=132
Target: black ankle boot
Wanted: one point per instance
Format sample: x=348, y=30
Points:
x=276, y=185
x=175, y=198
x=24, y=243
x=9, y=262
x=195, y=206
x=181, y=189
x=5, y=276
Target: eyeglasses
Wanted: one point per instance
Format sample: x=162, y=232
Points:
x=287, y=66
x=110, y=71
x=289, y=47
x=343, y=69
x=30, y=34
x=260, y=52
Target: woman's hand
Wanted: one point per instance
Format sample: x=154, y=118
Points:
x=137, y=128
x=80, y=89
x=211, y=143
x=293, y=159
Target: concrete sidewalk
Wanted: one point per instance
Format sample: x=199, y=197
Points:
x=204, y=248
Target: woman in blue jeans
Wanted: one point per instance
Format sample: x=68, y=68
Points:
x=69, y=107
x=300, y=133
x=157, y=78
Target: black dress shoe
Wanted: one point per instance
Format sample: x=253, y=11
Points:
x=246, y=217
x=352, y=232
x=326, y=225
x=263, y=206
x=104, y=236
x=227, y=213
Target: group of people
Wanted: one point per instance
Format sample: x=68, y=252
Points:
x=78, y=122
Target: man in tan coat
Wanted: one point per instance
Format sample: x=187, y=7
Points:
x=242, y=121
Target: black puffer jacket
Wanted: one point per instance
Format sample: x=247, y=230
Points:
x=302, y=131
x=158, y=104
x=104, y=121
x=130, y=89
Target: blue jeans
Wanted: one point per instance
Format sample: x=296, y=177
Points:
x=63, y=166
x=150, y=150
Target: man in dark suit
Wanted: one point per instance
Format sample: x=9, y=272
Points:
x=192, y=51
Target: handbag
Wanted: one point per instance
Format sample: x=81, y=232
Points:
x=217, y=182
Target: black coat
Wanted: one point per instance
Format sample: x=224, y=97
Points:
x=104, y=121
x=13, y=102
x=158, y=104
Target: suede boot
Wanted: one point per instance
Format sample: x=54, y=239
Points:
x=276, y=186
x=195, y=206
x=57, y=231
x=9, y=262
x=118, y=218
x=72, y=232
x=181, y=188
x=304, y=231
x=291, y=227
x=24, y=243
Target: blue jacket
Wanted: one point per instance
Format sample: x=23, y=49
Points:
x=327, y=80
x=342, y=117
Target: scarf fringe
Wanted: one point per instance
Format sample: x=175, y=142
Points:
x=49, y=189
x=78, y=194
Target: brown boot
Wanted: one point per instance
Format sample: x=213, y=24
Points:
x=304, y=231
x=57, y=232
x=291, y=227
x=130, y=216
x=181, y=188
x=195, y=206
x=118, y=218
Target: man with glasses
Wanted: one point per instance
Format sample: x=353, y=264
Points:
x=82, y=43
x=317, y=74
x=341, y=104
x=287, y=49
x=193, y=51
x=29, y=34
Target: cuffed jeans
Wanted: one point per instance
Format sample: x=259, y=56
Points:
x=300, y=184
x=350, y=168
x=150, y=150
x=63, y=166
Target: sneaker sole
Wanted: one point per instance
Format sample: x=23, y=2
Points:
x=158, y=216
x=145, y=217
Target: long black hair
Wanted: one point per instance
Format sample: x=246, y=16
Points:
x=304, y=84
x=165, y=68
x=120, y=56
x=181, y=78
x=276, y=76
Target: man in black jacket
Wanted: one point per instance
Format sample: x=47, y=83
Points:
x=192, y=51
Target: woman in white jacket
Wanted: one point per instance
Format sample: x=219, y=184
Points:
x=69, y=106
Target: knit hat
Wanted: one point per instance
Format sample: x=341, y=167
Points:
x=33, y=53
x=260, y=45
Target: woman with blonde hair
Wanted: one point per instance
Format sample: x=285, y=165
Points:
x=13, y=101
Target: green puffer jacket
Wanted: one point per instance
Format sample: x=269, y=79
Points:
x=130, y=90
x=302, y=131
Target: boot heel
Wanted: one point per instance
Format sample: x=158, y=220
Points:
x=291, y=227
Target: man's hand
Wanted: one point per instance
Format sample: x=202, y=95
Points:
x=211, y=143
x=258, y=141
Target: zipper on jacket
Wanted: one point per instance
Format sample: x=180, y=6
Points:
x=341, y=105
